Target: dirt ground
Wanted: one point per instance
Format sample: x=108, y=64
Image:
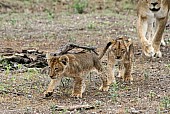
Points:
x=48, y=30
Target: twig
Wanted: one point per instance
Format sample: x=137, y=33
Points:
x=69, y=47
x=4, y=5
x=16, y=93
x=71, y=108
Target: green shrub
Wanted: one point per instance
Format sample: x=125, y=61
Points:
x=80, y=5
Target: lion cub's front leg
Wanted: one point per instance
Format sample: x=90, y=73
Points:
x=121, y=72
x=51, y=86
x=111, y=67
x=127, y=74
x=79, y=87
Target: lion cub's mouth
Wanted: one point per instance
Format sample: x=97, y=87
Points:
x=154, y=9
x=53, y=77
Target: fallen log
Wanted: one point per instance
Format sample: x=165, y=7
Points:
x=28, y=57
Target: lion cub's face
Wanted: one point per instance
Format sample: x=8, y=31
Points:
x=119, y=48
x=154, y=5
x=57, y=65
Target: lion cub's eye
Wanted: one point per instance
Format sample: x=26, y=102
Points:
x=122, y=50
x=56, y=68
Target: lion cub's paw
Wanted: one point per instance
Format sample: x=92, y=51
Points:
x=48, y=93
x=119, y=75
x=128, y=79
x=76, y=95
x=102, y=88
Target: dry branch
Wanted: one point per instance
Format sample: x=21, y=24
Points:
x=76, y=107
x=69, y=47
x=7, y=92
x=5, y=5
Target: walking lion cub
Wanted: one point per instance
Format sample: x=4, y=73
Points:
x=120, y=50
x=74, y=66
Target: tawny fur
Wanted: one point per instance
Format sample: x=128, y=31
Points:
x=74, y=66
x=151, y=22
x=119, y=50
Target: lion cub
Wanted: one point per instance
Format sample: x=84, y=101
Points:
x=120, y=50
x=74, y=66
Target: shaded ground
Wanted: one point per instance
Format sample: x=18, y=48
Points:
x=23, y=92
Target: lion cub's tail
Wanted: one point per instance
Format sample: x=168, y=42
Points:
x=105, y=49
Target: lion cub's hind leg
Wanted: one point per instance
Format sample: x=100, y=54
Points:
x=105, y=79
x=79, y=87
x=105, y=82
x=108, y=78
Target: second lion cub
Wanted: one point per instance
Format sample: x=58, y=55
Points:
x=120, y=50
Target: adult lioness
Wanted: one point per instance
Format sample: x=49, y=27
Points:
x=152, y=19
x=74, y=66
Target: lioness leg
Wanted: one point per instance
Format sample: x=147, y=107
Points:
x=158, y=36
x=51, y=86
x=79, y=87
x=142, y=27
x=150, y=30
x=163, y=41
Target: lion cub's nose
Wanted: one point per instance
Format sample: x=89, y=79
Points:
x=51, y=77
x=154, y=4
x=118, y=57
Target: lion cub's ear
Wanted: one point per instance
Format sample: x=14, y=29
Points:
x=64, y=59
x=113, y=41
x=48, y=57
x=128, y=43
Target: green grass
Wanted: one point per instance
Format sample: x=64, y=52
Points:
x=168, y=66
x=3, y=87
x=127, y=5
x=50, y=14
x=151, y=95
x=114, y=92
x=165, y=103
x=146, y=75
x=80, y=5
x=91, y=26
